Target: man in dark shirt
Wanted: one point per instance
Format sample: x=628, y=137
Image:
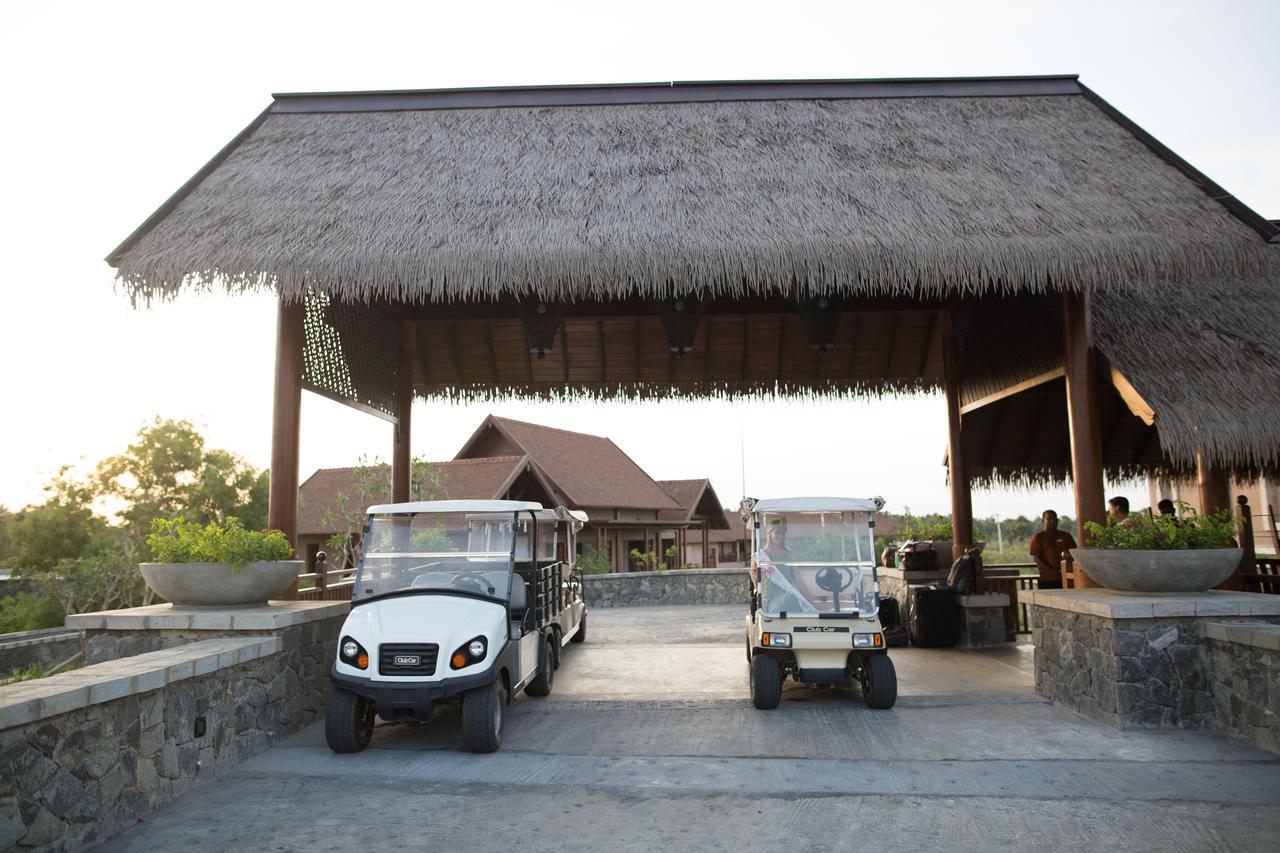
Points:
x=1048, y=547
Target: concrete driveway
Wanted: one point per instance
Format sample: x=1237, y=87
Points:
x=649, y=742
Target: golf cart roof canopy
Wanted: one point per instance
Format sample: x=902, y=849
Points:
x=480, y=506
x=813, y=504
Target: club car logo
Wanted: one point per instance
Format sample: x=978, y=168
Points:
x=406, y=660
x=819, y=629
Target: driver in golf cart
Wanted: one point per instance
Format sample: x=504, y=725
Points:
x=792, y=586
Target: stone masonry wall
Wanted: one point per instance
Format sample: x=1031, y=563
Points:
x=680, y=586
x=302, y=640
x=1130, y=673
x=70, y=781
x=1246, y=692
x=78, y=778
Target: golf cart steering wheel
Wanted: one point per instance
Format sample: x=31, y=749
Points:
x=835, y=578
x=476, y=580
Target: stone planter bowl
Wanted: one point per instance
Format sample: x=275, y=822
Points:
x=1159, y=571
x=213, y=584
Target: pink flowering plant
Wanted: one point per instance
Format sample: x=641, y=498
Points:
x=179, y=541
x=1186, y=531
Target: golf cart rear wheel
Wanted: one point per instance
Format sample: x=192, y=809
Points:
x=766, y=682
x=541, y=685
x=348, y=721
x=581, y=636
x=482, y=711
x=879, y=682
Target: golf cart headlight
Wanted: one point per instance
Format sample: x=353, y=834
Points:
x=472, y=651
x=777, y=641
x=353, y=654
x=867, y=641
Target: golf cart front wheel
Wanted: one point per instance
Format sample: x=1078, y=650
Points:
x=879, y=682
x=766, y=682
x=482, y=711
x=581, y=636
x=348, y=721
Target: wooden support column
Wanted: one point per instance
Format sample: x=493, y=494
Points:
x=705, y=558
x=1082, y=417
x=286, y=419
x=401, y=452
x=1215, y=486
x=958, y=473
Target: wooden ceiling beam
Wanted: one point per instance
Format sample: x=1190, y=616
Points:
x=893, y=341
x=1026, y=384
x=1137, y=405
x=493, y=353
x=928, y=344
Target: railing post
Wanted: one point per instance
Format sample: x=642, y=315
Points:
x=1249, y=560
x=321, y=572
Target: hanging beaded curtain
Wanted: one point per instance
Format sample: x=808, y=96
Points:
x=351, y=354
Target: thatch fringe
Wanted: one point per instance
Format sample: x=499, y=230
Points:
x=1204, y=357
x=638, y=392
x=915, y=197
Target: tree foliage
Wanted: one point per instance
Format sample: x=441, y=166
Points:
x=167, y=472
x=78, y=560
x=371, y=485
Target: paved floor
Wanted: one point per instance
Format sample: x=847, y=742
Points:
x=649, y=742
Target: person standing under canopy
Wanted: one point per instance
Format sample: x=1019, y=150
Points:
x=1048, y=548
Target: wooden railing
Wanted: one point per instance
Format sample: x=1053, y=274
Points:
x=1256, y=574
x=324, y=584
x=1009, y=579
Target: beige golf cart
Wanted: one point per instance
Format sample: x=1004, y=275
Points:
x=814, y=602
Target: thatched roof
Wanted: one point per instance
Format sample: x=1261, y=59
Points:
x=441, y=212
x=911, y=188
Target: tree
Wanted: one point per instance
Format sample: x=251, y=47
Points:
x=167, y=472
x=371, y=484
x=63, y=527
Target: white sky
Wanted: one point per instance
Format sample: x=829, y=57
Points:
x=109, y=107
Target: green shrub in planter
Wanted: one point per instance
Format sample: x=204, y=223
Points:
x=179, y=541
x=1189, y=531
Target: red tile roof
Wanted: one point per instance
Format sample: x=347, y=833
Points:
x=692, y=495
x=590, y=470
x=460, y=479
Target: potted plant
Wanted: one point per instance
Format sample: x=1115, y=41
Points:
x=218, y=564
x=1187, y=553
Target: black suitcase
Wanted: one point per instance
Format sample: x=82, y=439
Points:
x=889, y=615
x=933, y=620
x=894, y=637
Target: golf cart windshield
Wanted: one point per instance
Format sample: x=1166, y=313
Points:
x=814, y=563
x=455, y=551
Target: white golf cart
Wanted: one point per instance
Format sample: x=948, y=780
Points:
x=814, y=602
x=468, y=602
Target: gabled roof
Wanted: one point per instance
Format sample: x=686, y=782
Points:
x=460, y=479
x=588, y=470
x=697, y=500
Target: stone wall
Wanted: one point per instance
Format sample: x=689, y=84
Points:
x=71, y=780
x=1127, y=669
x=46, y=646
x=170, y=697
x=1245, y=682
x=982, y=620
x=679, y=586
